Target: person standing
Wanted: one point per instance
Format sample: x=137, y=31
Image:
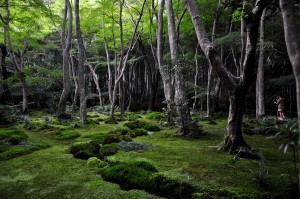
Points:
x=280, y=107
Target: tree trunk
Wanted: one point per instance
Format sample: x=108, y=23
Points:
x=260, y=91
x=292, y=43
x=66, y=45
x=233, y=139
x=188, y=127
x=81, y=68
x=164, y=70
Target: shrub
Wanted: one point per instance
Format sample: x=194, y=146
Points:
x=108, y=149
x=94, y=161
x=133, y=146
x=154, y=115
x=135, y=124
x=83, y=150
x=8, y=115
x=151, y=127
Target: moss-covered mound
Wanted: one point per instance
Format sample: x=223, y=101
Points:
x=135, y=124
x=143, y=175
x=13, y=143
x=85, y=150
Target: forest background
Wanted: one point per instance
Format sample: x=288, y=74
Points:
x=132, y=56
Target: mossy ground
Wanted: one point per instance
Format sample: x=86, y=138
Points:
x=54, y=173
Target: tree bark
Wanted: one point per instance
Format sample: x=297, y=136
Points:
x=188, y=127
x=66, y=45
x=292, y=44
x=260, y=91
x=81, y=68
x=236, y=86
x=163, y=69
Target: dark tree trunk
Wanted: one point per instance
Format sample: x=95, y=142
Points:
x=233, y=139
x=2, y=72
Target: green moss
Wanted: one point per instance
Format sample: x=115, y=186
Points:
x=128, y=175
x=13, y=137
x=108, y=149
x=67, y=135
x=94, y=161
x=154, y=115
x=135, y=124
x=137, y=132
x=83, y=150
x=110, y=121
x=151, y=127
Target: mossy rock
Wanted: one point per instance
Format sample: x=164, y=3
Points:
x=123, y=130
x=151, y=127
x=83, y=150
x=129, y=175
x=137, y=132
x=135, y=124
x=112, y=139
x=110, y=121
x=13, y=137
x=108, y=149
x=154, y=115
x=94, y=161
x=67, y=135
x=162, y=185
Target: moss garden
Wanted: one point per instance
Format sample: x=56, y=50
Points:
x=135, y=156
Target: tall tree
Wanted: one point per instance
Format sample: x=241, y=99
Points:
x=164, y=69
x=292, y=43
x=81, y=68
x=236, y=86
x=188, y=127
x=260, y=91
x=66, y=41
x=17, y=64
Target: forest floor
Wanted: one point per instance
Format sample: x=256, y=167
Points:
x=52, y=172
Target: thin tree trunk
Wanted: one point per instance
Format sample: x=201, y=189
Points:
x=66, y=41
x=81, y=68
x=260, y=91
x=292, y=44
